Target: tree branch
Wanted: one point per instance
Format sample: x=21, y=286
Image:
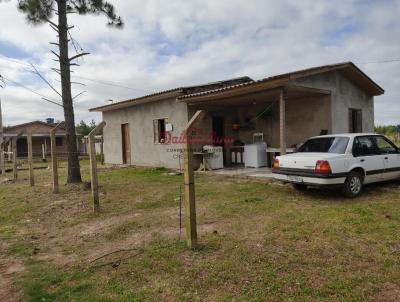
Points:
x=53, y=102
x=78, y=95
x=52, y=23
x=56, y=54
x=79, y=55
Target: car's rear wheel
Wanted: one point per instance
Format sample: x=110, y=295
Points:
x=353, y=185
x=300, y=187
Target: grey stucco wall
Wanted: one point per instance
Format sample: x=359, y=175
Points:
x=345, y=94
x=144, y=152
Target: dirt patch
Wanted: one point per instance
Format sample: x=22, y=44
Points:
x=10, y=267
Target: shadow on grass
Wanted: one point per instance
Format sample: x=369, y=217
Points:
x=335, y=193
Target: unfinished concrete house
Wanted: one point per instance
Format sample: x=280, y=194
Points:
x=275, y=114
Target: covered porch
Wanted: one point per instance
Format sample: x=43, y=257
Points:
x=282, y=116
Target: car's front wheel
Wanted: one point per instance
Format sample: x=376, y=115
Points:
x=353, y=185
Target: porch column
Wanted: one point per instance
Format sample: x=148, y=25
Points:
x=282, y=121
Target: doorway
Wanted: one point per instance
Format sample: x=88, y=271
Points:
x=218, y=134
x=218, y=130
x=126, y=144
x=355, y=120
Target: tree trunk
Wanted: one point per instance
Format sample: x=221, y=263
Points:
x=74, y=172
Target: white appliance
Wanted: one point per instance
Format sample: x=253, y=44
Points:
x=255, y=154
x=214, y=159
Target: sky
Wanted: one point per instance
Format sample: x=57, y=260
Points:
x=174, y=43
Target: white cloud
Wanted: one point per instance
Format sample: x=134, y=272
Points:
x=172, y=43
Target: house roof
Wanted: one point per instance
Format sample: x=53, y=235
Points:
x=34, y=127
x=30, y=123
x=349, y=69
x=175, y=92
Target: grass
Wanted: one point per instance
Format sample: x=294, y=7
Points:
x=258, y=241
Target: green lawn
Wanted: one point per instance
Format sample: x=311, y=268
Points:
x=258, y=241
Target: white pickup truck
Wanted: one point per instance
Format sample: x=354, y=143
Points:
x=345, y=160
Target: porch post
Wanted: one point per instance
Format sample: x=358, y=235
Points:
x=282, y=121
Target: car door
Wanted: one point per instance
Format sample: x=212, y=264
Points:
x=366, y=154
x=391, y=157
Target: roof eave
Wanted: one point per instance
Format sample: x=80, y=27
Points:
x=137, y=101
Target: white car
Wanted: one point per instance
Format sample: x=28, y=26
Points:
x=345, y=160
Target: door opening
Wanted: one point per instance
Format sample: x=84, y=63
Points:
x=355, y=120
x=126, y=144
x=218, y=130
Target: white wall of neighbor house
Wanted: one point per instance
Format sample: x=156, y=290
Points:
x=344, y=95
x=144, y=151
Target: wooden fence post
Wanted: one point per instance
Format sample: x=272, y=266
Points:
x=93, y=166
x=30, y=160
x=2, y=157
x=190, y=196
x=15, y=157
x=102, y=150
x=53, y=152
x=15, y=168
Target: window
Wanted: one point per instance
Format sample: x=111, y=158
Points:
x=59, y=141
x=325, y=145
x=160, y=130
x=355, y=120
x=364, y=146
x=384, y=146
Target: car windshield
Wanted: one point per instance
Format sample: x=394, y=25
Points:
x=325, y=145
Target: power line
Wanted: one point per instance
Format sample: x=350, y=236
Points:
x=100, y=81
x=45, y=98
x=110, y=83
x=379, y=62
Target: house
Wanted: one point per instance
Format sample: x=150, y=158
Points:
x=40, y=138
x=285, y=109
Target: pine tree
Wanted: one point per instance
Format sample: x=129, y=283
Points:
x=42, y=11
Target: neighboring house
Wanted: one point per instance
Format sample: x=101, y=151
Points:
x=286, y=108
x=40, y=138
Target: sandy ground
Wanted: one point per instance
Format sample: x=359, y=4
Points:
x=9, y=268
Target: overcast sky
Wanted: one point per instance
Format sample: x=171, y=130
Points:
x=167, y=44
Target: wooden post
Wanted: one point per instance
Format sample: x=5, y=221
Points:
x=2, y=156
x=2, y=145
x=53, y=152
x=93, y=166
x=282, y=121
x=102, y=150
x=30, y=160
x=190, y=197
x=15, y=168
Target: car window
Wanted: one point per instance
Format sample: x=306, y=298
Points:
x=325, y=145
x=364, y=146
x=384, y=146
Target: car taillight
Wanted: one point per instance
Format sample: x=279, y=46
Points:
x=276, y=164
x=323, y=167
